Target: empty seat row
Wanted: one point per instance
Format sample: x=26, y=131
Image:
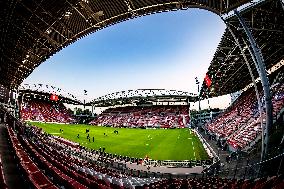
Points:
x=2, y=176
x=31, y=171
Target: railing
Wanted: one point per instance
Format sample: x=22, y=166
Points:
x=206, y=145
x=216, y=160
x=270, y=167
x=243, y=169
x=177, y=164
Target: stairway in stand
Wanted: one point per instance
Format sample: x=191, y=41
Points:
x=11, y=171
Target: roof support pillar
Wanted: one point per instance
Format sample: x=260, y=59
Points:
x=93, y=109
x=252, y=77
x=264, y=81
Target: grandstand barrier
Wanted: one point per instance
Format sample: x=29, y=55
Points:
x=179, y=164
x=68, y=142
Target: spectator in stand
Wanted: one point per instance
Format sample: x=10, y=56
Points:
x=154, y=116
x=38, y=110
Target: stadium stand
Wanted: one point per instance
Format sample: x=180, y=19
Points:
x=73, y=172
x=34, y=31
x=45, y=111
x=240, y=124
x=28, y=167
x=144, y=116
x=47, y=162
x=64, y=163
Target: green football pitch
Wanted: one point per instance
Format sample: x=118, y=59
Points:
x=158, y=144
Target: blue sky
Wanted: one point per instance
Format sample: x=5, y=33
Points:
x=165, y=51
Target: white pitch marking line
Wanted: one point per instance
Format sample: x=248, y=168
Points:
x=193, y=150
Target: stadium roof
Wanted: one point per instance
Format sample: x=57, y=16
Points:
x=228, y=71
x=45, y=91
x=144, y=96
x=31, y=31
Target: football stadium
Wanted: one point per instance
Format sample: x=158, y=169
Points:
x=142, y=137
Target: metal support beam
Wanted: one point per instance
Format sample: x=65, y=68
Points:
x=252, y=77
x=93, y=108
x=199, y=107
x=262, y=126
x=264, y=81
